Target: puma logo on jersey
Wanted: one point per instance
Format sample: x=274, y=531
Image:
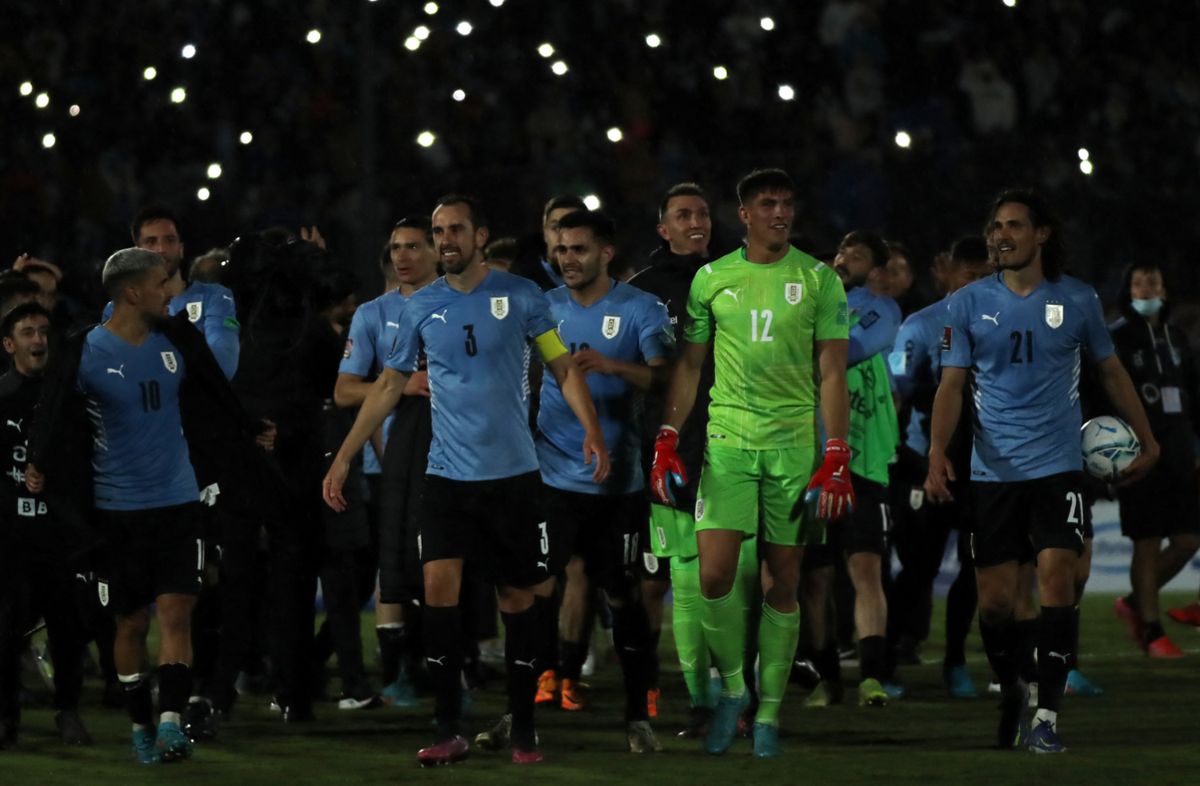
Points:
x=120, y=372
x=397, y=324
x=995, y=320
x=733, y=293
x=527, y=663
x=1059, y=655
x=439, y=661
x=227, y=297
x=441, y=316
x=15, y=424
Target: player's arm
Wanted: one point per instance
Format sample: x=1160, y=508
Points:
x=1119, y=387
x=832, y=359
x=350, y=390
x=875, y=337
x=575, y=392
x=830, y=490
x=947, y=409
x=646, y=376
x=382, y=398
x=685, y=380
x=909, y=356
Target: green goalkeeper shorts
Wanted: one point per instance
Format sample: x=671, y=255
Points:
x=756, y=492
x=672, y=532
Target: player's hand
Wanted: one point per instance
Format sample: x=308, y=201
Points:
x=668, y=467
x=830, y=488
x=593, y=445
x=418, y=384
x=592, y=362
x=312, y=235
x=265, y=439
x=335, y=479
x=1140, y=466
x=941, y=475
x=35, y=481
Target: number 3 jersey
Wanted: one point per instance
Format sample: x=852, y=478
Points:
x=626, y=324
x=139, y=453
x=763, y=320
x=1027, y=355
x=478, y=346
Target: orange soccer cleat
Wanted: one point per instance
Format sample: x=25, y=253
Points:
x=547, y=690
x=1163, y=648
x=652, y=697
x=573, y=698
x=1187, y=615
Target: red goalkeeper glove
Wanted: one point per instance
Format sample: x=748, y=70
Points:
x=667, y=466
x=830, y=487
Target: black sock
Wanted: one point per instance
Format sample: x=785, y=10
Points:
x=1027, y=633
x=1000, y=642
x=574, y=653
x=443, y=659
x=174, y=686
x=1073, y=659
x=412, y=647
x=137, y=699
x=547, y=614
x=631, y=638
x=829, y=665
x=521, y=647
x=1151, y=631
x=651, y=656
x=391, y=644
x=1058, y=630
x=872, y=652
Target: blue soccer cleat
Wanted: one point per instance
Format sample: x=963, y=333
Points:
x=400, y=693
x=1079, y=685
x=724, y=726
x=1044, y=739
x=960, y=684
x=766, y=741
x=145, y=748
x=172, y=743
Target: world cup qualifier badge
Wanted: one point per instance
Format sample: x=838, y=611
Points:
x=947, y=338
x=349, y=350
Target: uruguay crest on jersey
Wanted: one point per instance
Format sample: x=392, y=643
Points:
x=194, y=310
x=612, y=324
x=500, y=307
x=792, y=292
x=1054, y=314
x=168, y=359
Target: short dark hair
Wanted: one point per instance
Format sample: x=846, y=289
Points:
x=24, y=311
x=1041, y=214
x=197, y=270
x=152, y=213
x=14, y=284
x=872, y=240
x=573, y=201
x=416, y=222
x=761, y=180
x=969, y=249
x=678, y=190
x=502, y=248
x=603, y=228
x=474, y=208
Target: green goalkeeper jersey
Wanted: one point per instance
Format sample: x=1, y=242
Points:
x=763, y=320
x=874, y=427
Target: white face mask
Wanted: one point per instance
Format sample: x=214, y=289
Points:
x=1147, y=308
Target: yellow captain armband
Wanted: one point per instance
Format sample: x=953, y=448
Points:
x=550, y=345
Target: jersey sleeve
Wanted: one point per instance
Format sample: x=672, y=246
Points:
x=359, y=355
x=699, y=325
x=875, y=330
x=536, y=312
x=955, y=344
x=1096, y=338
x=406, y=351
x=106, y=314
x=221, y=329
x=833, y=320
x=910, y=353
x=656, y=336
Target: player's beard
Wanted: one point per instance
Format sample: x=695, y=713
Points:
x=459, y=265
x=1017, y=264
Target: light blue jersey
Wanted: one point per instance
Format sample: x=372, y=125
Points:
x=916, y=365
x=627, y=324
x=874, y=320
x=478, y=346
x=1027, y=354
x=139, y=456
x=370, y=340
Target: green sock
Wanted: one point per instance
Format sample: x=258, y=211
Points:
x=689, y=633
x=724, y=621
x=778, y=632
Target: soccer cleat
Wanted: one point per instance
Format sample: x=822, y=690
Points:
x=1044, y=739
x=1079, y=685
x=199, y=722
x=547, y=690
x=531, y=756
x=172, y=743
x=71, y=729
x=399, y=694
x=894, y=690
x=1186, y=615
x=641, y=738
x=1164, y=648
x=145, y=747
x=697, y=723
x=766, y=741
x=1014, y=700
x=1128, y=616
x=498, y=737
x=365, y=702
x=805, y=674
x=723, y=728
x=871, y=693
x=959, y=683
x=652, y=697
x=572, y=698
x=450, y=751
x=826, y=694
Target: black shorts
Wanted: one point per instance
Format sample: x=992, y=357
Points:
x=495, y=526
x=148, y=553
x=605, y=530
x=865, y=530
x=1014, y=521
x=655, y=568
x=402, y=478
x=1160, y=506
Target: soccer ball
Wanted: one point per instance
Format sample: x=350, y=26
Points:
x=1109, y=446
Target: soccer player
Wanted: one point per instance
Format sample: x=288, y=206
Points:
x=861, y=540
x=479, y=501
x=1164, y=505
x=37, y=573
x=766, y=311
x=1023, y=332
x=921, y=530
x=373, y=332
x=621, y=337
